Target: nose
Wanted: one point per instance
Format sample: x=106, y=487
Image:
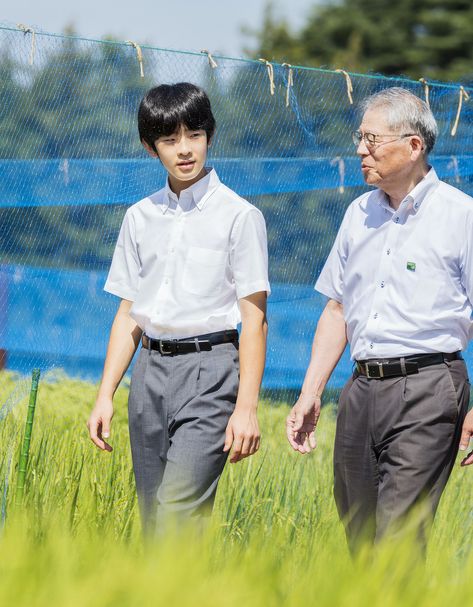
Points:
x=362, y=149
x=183, y=147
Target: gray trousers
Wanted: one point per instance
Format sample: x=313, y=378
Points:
x=396, y=443
x=178, y=411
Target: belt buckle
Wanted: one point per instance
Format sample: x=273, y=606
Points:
x=380, y=370
x=163, y=351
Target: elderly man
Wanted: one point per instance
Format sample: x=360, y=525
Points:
x=399, y=282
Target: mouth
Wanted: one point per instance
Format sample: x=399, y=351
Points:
x=186, y=164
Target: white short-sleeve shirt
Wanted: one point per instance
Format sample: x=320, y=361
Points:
x=185, y=263
x=405, y=277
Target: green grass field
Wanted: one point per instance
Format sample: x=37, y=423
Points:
x=275, y=537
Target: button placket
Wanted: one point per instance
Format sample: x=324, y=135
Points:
x=171, y=256
x=382, y=279
x=163, y=295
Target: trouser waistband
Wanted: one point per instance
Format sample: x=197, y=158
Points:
x=197, y=343
x=380, y=368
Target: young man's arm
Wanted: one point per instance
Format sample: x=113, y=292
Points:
x=329, y=343
x=242, y=429
x=125, y=336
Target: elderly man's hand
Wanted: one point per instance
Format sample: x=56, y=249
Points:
x=467, y=433
x=301, y=423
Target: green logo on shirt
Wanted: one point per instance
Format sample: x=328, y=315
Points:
x=411, y=266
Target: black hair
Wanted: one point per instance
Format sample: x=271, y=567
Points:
x=166, y=107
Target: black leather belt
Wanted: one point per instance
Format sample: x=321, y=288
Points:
x=170, y=347
x=379, y=368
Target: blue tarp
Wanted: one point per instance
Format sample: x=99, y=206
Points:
x=62, y=318
x=63, y=182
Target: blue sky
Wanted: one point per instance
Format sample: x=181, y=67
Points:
x=186, y=24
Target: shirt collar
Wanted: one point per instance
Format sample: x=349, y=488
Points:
x=425, y=187
x=416, y=196
x=200, y=191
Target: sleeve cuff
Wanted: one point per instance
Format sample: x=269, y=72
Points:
x=120, y=291
x=253, y=287
x=328, y=292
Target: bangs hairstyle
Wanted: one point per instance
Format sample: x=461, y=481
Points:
x=166, y=107
x=405, y=112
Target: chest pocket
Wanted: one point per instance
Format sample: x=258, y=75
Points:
x=426, y=294
x=204, y=271
x=420, y=288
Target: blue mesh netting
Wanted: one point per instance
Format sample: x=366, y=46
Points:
x=71, y=163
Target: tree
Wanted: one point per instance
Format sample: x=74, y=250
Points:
x=429, y=38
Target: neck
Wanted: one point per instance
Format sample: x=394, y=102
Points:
x=177, y=186
x=399, y=191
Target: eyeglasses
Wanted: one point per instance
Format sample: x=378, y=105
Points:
x=371, y=140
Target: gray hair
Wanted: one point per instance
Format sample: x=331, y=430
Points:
x=405, y=113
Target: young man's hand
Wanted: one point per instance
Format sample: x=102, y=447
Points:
x=99, y=423
x=467, y=433
x=301, y=423
x=243, y=433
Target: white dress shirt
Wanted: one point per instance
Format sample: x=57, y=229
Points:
x=405, y=277
x=185, y=263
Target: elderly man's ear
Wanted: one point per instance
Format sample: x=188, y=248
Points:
x=417, y=147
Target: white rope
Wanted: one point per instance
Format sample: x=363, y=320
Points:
x=349, y=85
x=139, y=55
x=453, y=164
x=426, y=90
x=463, y=95
x=341, y=172
x=213, y=64
x=270, y=69
x=290, y=81
x=29, y=30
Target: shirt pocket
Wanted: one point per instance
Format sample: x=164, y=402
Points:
x=426, y=294
x=417, y=290
x=204, y=271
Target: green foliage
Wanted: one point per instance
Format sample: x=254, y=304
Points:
x=73, y=88
x=275, y=538
x=429, y=38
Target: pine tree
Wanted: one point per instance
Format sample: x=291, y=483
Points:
x=429, y=38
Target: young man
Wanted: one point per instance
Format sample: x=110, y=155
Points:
x=190, y=263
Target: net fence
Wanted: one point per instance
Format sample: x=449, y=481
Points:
x=71, y=163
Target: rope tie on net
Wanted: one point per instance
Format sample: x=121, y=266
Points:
x=269, y=67
x=426, y=90
x=463, y=95
x=139, y=55
x=349, y=85
x=29, y=30
x=453, y=164
x=341, y=172
x=290, y=81
x=213, y=64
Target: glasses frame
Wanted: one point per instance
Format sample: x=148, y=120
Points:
x=371, y=139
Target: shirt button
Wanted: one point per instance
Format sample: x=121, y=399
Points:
x=376, y=315
x=396, y=219
x=382, y=284
x=388, y=252
x=371, y=346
